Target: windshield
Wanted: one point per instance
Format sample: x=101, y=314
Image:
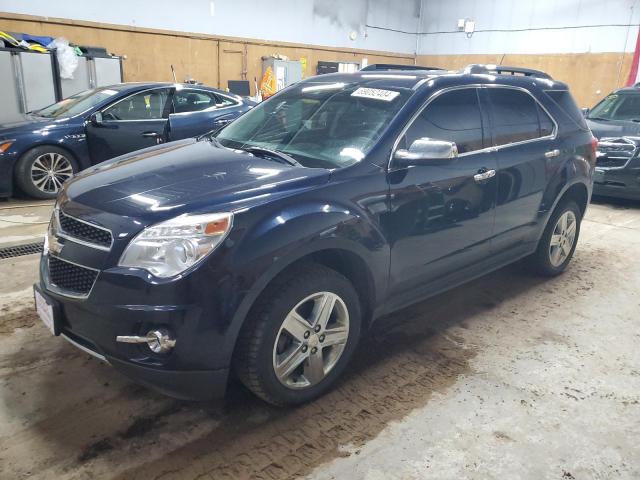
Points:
x=617, y=107
x=76, y=104
x=327, y=125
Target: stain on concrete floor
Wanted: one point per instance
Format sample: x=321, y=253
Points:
x=510, y=376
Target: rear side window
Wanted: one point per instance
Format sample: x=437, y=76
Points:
x=222, y=101
x=198, y=100
x=453, y=116
x=516, y=117
x=565, y=102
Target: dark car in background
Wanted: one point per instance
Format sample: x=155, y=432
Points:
x=268, y=248
x=615, y=122
x=48, y=146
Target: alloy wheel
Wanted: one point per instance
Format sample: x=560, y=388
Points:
x=562, y=238
x=311, y=340
x=49, y=171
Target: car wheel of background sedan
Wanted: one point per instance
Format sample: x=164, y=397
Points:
x=558, y=241
x=41, y=171
x=300, y=336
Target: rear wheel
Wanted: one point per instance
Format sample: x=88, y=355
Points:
x=41, y=171
x=558, y=241
x=300, y=336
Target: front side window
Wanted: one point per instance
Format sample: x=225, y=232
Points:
x=327, y=125
x=453, y=116
x=617, y=107
x=147, y=105
x=516, y=116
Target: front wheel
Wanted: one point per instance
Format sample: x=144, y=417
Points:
x=300, y=336
x=558, y=241
x=41, y=171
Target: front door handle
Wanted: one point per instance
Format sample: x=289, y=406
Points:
x=484, y=175
x=156, y=135
x=552, y=153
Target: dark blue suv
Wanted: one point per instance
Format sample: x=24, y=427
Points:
x=268, y=249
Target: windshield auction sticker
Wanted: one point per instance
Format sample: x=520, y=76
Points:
x=375, y=93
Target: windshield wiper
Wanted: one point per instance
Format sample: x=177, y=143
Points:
x=599, y=118
x=273, y=153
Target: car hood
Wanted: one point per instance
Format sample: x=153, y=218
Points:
x=614, y=128
x=29, y=123
x=186, y=176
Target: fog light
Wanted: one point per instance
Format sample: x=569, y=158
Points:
x=159, y=340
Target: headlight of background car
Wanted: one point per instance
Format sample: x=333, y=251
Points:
x=170, y=247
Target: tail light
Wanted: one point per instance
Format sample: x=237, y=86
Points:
x=594, y=150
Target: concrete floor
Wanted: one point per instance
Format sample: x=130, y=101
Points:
x=509, y=377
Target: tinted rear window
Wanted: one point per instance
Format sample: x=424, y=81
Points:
x=516, y=117
x=564, y=100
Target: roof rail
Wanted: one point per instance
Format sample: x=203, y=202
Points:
x=392, y=66
x=504, y=70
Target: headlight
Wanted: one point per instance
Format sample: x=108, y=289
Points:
x=170, y=247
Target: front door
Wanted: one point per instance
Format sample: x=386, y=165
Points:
x=441, y=215
x=135, y=122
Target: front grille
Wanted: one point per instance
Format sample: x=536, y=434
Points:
x=71, y=278
x=74, y=228
x=615, y=152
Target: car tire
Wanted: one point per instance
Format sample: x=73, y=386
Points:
x=267, y=350
x=563, y=229
x=41, y=171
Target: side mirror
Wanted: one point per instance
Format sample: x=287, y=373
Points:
x=585, y=111
x=96, y=119
x=424, y=151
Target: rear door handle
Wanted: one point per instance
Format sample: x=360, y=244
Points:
x=552, y=153
x=484, y=175
x=150, y=134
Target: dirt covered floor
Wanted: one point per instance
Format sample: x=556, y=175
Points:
x=509, y=377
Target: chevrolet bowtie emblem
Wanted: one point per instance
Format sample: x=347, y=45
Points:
x=54, y=245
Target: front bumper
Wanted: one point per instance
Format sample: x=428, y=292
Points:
x=186, y=385
x=617, y=182
x=191, y=370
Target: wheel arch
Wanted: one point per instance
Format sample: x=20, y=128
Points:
x=13, y=176
x=340, y=258
x=579, y=193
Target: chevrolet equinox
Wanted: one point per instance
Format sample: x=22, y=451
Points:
x=267, y=248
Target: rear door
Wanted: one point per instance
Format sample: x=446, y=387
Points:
x=135, y=122
x=523, y=134
x=196, y=111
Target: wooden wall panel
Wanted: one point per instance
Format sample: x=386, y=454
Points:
x=590, y=76
x=210, y=59
x=213, y=60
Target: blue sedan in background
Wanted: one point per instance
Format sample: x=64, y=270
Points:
x=48, y=146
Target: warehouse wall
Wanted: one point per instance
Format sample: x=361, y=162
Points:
x=316, y=22
x=587, y=43
x=210, y=59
